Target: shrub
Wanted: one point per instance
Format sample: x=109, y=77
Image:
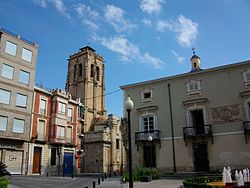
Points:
x=4, y=182
x=199, y=182
x=139, y=172
x=3, y=171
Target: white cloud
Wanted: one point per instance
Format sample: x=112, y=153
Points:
x=147, y=22
x=59, y=5
x=162, y=25
x=42, y=3
x=179, y=58
x=128, y=51
x=87, y=16
x=186, y=30
x=151, y=6
x=115, y=17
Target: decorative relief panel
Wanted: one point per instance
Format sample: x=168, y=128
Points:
x=224, y=114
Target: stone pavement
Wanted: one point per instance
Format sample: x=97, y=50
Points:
x=166, y=183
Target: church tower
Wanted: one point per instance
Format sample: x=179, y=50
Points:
x=195, y=62
x=85, y=80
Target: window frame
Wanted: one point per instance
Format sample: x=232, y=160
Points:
x=20, y=105
x=27, y=57
x=70, y=118
x=59, y=134
x=142, y=125
x=7, y=66
x=8, y=49
x=8, y=96
x=23, y=73
x=17, y=119
x=196, y=86
x=6, y=123
x=42, y=111
x=62, y=109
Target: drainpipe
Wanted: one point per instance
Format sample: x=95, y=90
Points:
x=172, y=127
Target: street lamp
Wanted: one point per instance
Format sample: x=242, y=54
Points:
x=129, y=106
x=150, y=139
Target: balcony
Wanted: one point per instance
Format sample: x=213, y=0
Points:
x=197, y=131
x=142, y=137
x=246, y=126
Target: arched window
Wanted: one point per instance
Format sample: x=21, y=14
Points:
x=97, y=73
x=75, y=71
x=80, y=70
x=92, y=71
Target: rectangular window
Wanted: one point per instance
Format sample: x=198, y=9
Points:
x=69, y=134
x=193, y=86
x=26, y=55
x=69, y=114
x=10, y=48
x=4, y=96
x=53, y=156
x=42, y=109
x=61, y=108
x=24, y=77
x=7, y=71
x=21, y=100
x=60, y=132
x=40, y=130
x=3, y=123
x=18, y=126
x=148, y=123
x=147, y=95
x=117, y=144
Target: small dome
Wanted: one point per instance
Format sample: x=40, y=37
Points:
x=195, y=56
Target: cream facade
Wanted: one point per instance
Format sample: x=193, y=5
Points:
x=198, y=120
x=17, y=67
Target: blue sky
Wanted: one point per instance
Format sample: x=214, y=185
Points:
x=139, y=39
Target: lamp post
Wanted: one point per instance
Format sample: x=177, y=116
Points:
x=150, y=139
x=129, y=106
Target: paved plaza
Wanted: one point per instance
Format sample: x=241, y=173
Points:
x=85, y=182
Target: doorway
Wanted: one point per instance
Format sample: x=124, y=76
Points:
x=201, y=162
x=149, y=156
x=198, y=121
x=68, y=163
x=37, y=160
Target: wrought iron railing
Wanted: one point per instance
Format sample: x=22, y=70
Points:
x=197, y=131
x=144, y=136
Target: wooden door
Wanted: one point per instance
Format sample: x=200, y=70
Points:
x=37, y=160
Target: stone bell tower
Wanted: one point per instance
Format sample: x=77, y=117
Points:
x=85, y=80
x=195, y=62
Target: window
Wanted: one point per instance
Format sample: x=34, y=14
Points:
x=42, y=109
x=97, y=73
x=147, y=95
x=117, y=144
x=246, y=77
x=60, y=132
x=193, y=86
x=21, y=100
x=24, y=77
x=10, y=48
x=26, y=55
x=40, y=130
x=7, y=71
x=80, y=70
x=75, y=71
x=3, y=123
x=70, y=115
x=18, y=126
x=4, y=96
x=148, y=123
x=92, y=71
x=69, y=134
x=61, y=108
x=53, y=156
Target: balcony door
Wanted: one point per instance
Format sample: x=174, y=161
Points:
x=198, y=121
x=149, y=157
